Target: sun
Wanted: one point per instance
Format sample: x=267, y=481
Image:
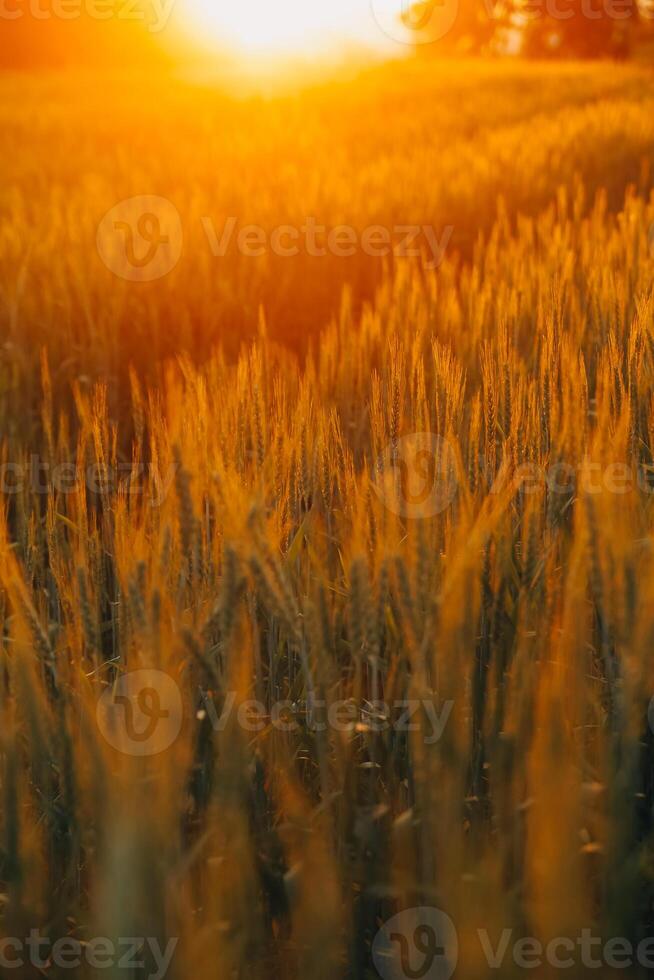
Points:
x=257, y=25
x=283, y=26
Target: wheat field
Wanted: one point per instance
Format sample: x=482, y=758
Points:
x=378, y=536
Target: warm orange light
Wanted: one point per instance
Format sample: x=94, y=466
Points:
x=287, y=26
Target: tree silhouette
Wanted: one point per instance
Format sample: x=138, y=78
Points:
x=455, y=26
x=543, y=28
x=578, y=28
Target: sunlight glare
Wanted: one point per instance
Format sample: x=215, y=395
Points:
x=287, y=26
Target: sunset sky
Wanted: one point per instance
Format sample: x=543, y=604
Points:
x=290, y=25
x=35, y=33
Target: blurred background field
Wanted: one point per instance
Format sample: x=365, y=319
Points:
x=445, y=144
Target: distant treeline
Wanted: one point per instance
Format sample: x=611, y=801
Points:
x=536, y=28
x=120, y=33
